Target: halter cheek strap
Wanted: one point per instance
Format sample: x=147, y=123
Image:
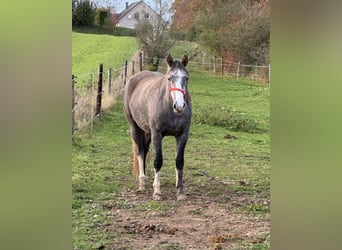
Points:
x=180, y=90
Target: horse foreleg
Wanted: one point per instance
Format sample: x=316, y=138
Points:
x=181, y=142
x=158, y=162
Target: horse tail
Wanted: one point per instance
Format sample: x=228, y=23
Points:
x=135, y=159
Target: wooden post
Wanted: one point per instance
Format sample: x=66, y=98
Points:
x=132, y=67
x=214, y=64
x=125, y=74
x=99, y=91
x=221, y=65
x=109, y=80
x=238, y=71
x=269, y=74
x=73, y=108
x=140, y=61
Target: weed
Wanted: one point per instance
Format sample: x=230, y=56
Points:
x=261, y=246
x=258, y=208
x=224, y=117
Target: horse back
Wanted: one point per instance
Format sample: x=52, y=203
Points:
x=137, y=91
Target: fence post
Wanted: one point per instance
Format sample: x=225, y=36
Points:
x=132, y=67
x=238, y=71
x=109, y=80
x=140, y=61
x=73, y=107
x=214, y=64
x=221, y=65
x=125, y=74
x=99, y=91
x=269, y=74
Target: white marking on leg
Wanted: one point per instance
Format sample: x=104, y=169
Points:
x=176, y=177
x=142, y=176
x=156, y=185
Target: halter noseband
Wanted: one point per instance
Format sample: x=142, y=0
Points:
x=180, y=90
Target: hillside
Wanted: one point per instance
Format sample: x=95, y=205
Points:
x=89, y=50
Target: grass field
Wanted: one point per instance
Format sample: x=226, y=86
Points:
x=226, y=177
x=89, y=50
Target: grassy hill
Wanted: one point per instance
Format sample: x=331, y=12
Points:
x=89, y=50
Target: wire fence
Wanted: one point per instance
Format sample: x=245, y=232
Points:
x=95, y=92
x=219, y=66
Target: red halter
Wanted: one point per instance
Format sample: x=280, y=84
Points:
x=180, y=90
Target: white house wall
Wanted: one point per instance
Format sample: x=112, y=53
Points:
x=129, y=20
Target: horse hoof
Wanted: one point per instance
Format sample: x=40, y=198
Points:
x=157, y=197
x=140, y=189
x=181, y=197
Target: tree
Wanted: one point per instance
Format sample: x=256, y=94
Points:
x=84, y=14
x=236, y=30
x=100, y=15
x=153, y=35
x=111, y=5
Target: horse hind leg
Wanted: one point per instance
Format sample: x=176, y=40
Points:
x=139, y=158
x=158, y=162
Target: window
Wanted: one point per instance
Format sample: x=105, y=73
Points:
x=147, y=16
x=129, y=16
x=136, y=15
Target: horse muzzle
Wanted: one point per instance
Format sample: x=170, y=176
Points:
x=179, y=108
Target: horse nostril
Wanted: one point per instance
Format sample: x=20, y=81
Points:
x=183, y=105
x=174, y=106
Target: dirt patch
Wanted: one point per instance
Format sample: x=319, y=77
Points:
x=199, y=222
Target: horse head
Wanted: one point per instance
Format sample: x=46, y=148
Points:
x=178, y=77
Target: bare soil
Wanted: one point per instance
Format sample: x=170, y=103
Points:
x=200, y=222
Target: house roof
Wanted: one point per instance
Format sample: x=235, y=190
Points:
x=130, y=8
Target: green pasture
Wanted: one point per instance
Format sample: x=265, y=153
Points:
x=89, y=50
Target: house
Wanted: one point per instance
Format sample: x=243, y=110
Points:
x=132, y=13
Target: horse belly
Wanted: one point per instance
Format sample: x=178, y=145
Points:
x=140, y=117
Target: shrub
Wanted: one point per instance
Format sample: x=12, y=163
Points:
x=84, y=14
x=122, y=31
x=100, y=15
x=224, y=117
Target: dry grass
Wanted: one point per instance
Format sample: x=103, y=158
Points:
x=85, y=103
x=85, y=98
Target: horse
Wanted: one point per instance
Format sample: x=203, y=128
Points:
x=157, y=105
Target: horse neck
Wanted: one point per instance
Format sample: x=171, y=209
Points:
x=164, y=86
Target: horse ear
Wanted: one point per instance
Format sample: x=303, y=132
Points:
x=185, y=60
x=169, y=60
